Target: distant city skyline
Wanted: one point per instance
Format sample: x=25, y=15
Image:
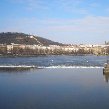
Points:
x=66, y=21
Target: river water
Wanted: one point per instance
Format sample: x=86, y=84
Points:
x=64, y=82
x=57, y=61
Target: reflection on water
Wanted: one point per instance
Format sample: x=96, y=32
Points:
x=14, y=70
x=106, y=76
x=54, y=89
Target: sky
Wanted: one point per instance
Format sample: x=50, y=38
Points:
x=65, y=21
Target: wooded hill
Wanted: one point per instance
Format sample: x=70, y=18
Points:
x=22, y=38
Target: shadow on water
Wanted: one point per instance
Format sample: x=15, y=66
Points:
x=17, y=70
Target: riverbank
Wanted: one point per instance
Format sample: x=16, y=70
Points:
x=9, y=55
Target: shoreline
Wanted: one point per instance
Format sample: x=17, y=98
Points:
x=51, y=55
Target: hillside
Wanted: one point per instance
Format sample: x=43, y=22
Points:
x=21, y=38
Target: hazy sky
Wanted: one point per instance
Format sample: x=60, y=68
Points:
x=67, y=21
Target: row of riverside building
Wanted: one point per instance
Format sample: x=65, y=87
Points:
x=23, y=49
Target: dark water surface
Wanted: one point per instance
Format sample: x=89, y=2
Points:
x=54, y=89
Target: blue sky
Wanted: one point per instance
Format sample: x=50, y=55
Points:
x=66, y=21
